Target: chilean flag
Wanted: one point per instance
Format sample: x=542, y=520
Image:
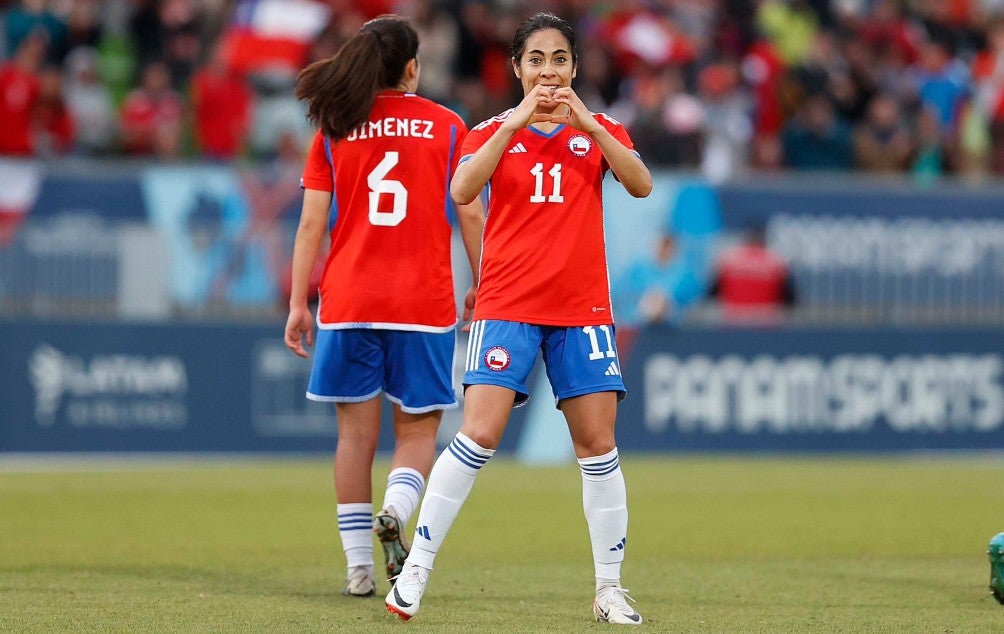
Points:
x=273, y=34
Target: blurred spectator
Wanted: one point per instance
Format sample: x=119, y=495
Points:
x=19, y=90
x=83, y=25
x=660, y=288
x=929, y=163
x=89, y=102
x=30, y=16
x=752, y=283
x=664, y=120
x=941, y=82
x=727, y=124
x=222, y=103
x=437, y=31
x=882, y=143
x=54, y=123
x=816, y=139
x=151, y=116
x=790, y=24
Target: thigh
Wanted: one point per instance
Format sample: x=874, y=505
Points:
x=582, y=360
x=348, y=366
x=502, y=353
x=419, y=370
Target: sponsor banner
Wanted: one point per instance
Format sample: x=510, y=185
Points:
x=178, y=387
x=862, y=389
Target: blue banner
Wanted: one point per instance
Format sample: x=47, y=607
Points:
x=806, y=390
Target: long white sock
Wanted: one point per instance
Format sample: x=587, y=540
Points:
x=604, y=500
x=404, y=490
x=450, y=483
x=355, y=526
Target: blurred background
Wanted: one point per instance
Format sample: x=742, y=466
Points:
x=819, y=268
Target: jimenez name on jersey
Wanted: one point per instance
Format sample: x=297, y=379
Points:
x=392, y=126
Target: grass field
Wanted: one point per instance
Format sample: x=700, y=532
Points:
x=716, y=544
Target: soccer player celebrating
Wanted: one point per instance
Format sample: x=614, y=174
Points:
x=376, y=181
x=543, y=285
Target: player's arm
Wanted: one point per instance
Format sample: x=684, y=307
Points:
x=472, y=227
x=626, y=165
x=310, y=232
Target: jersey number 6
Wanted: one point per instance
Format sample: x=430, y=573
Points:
x=380, y=185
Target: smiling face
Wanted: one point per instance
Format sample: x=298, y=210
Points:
x=546, y=60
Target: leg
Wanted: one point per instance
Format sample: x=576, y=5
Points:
x=591, y=420
x=358, y=432
x=486, y=412
x=414, y=450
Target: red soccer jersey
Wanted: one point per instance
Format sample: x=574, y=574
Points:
x=389, y=264
x=543, y=259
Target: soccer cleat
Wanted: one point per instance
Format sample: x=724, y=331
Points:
x=996, y=554
x=611, y=606
x=406, y=593
x=360, y=582
x=389, y=531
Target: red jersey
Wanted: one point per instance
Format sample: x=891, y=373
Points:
x=389, y=265
x=543, y=259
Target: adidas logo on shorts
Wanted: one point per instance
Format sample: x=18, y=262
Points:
x=613, y=370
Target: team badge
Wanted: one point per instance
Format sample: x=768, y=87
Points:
x=497, y=359
x=580, y=145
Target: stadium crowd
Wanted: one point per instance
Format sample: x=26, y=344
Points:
x=720, y=86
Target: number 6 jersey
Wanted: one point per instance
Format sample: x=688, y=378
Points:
x=389, y=263
x=543, y=259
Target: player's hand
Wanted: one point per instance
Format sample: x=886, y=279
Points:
x=532, y=109
x=469, y=299
x=299, y=329
x=576, y=115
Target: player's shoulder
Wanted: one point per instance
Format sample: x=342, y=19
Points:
x=607, y=120
x=494, y=122
x=437, y=110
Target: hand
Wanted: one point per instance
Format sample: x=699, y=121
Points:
x=577, y=114
x=535, y=107
x=299, y=328
x=469, y=299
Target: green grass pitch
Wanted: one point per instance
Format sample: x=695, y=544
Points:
x=716, y=544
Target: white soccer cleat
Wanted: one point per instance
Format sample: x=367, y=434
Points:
x=389, y=531
x=406, y=593
x=611, y=606
x=360, y=582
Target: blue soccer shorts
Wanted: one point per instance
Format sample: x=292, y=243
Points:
x=413, y=369
x=579, y=360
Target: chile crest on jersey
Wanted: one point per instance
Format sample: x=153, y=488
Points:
x=580, y=145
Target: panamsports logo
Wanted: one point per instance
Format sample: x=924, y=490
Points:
x=497, y=358
x=580, y=145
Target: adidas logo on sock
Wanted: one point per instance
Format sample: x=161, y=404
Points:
x=424, y=532
x=613, y=370
x=517, y=149
x=621, y=544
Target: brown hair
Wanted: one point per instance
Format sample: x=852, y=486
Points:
x=340, y=90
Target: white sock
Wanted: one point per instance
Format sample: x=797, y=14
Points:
x=604, y=500
x=450, y=483
x=355, y=526
x=404, y=490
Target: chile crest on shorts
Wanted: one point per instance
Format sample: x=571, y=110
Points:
x=497, y=359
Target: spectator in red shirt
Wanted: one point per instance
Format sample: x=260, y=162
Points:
x=55, y=129
x=222, y=102
x=19, y=90
x=752, y=283
x=151, y=115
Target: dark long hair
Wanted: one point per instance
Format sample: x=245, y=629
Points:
x=540, y=22
x=340, y=90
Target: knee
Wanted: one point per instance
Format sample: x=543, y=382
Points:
x=592, y=447
x=484, y=438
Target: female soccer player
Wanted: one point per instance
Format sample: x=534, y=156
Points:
x=377, y=181
x=543, y=286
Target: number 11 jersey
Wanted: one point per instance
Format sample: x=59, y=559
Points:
x=544, y=252
x=389, y=264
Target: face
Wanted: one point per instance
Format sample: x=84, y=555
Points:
x=546, y=60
